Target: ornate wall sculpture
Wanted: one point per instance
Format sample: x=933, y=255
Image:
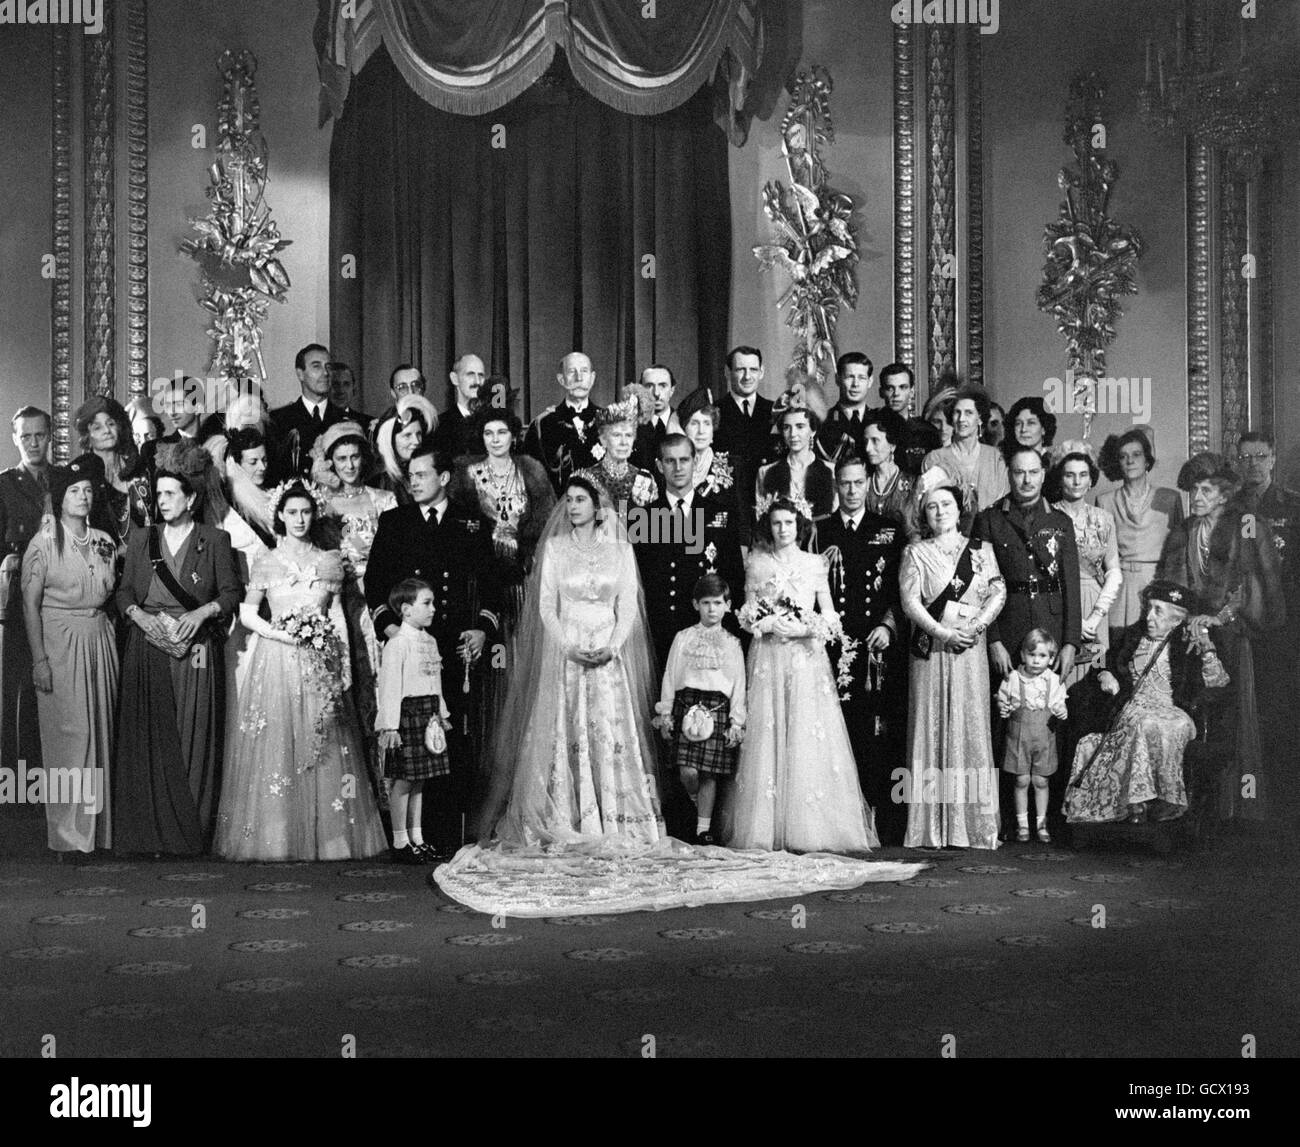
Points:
x=814, y=240
x=904, y=196
x=1091, y=259
x=239, y=243
x=1234, y=327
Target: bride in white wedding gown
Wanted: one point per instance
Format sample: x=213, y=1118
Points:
x=573, y=824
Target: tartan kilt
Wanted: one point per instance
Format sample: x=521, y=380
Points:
x=411, y=761
x=712, y=756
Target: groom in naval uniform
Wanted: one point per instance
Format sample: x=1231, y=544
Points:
x=671, y=561
x=450, y=549
x=865, y=550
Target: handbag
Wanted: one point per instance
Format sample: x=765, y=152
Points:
x=168, y=641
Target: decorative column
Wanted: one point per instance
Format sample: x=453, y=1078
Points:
x=1199, y=163
x=1234, y=330
x=100, y=121
x=904, y=197
x=974, y=207
x=137, y=201
x=1264, y=291
x=940, y=137
x=61, y=227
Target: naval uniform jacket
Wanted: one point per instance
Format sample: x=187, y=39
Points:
x=669, y=572
x=455, y=557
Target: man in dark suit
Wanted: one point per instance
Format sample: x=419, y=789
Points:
x=841, y=433
x=451, y=549
x=745, y=418
x=678, y=538
x=1036, y=553
x=22, y=502
x=467, y=376
x=307, y=417
x=661, y=383
x=344, y=394
x=865, y=550
x=898, y=390
x=563, y=438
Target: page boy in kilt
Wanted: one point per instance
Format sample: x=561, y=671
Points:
x=705, y=675
x=410, y=695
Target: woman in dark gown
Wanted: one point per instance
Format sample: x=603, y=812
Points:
x=171, y=717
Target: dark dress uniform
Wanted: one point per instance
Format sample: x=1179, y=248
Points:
x=455, y=557
x=669, y=572
x=1037, y=556
x=22, y=502
x=864, y=586
x=563, y=440
x=645, y=453
x=841, y=435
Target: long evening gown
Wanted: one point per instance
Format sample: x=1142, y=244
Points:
x=952, y=787
x=77, y=715
x=1141, y=759
x=296, y=785
x=796, y=785
x=1095, y=539
x=582, y=831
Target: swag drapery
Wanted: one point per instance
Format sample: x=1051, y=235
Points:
x=550, y=222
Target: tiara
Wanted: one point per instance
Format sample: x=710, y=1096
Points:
x=312, y=490
x=767, y=501
x=629, y=410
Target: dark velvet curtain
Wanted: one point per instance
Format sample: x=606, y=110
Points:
x=523, y=252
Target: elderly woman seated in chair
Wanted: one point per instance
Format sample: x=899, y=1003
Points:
x=1158, y=674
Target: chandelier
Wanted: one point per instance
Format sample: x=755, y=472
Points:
x=1241, y=96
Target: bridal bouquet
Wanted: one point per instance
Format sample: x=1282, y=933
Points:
x=825, y=628
x=315, y=635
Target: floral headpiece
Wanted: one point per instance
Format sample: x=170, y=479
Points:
x=276, y=497
x=801, y=504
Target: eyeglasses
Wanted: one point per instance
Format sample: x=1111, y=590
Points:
x=1244, y=458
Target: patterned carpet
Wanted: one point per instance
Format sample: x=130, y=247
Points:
x=997, y=950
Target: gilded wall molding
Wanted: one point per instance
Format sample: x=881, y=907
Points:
x=137, y=201
x=1264, y=287
x=98, y=97
x=61, y=240
x=1199, y=161
x=974, y=207
x=1234, y=331
x=941, y=206
x=904, y=196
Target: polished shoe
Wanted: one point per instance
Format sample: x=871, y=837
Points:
x=1022, y=836
x=1044, y=837
x=404, y=855
x=427, y=854
x=706, y=838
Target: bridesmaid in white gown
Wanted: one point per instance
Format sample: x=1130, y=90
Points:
x=796, y=786
x=295, y=784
